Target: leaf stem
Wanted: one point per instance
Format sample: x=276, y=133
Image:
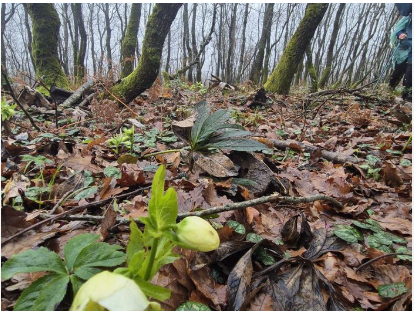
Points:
x=151, y=259
x=162, y=152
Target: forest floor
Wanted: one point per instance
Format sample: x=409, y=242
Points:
x=313, y=256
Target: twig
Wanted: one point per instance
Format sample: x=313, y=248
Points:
x=6, y=79
x=61, y=200
x=120, y=101
x=78, y=208
x=214, y=210
x=377, y=258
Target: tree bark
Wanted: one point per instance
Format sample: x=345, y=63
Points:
x=108, y=40
x=243, y=46
x=264, y=38
x=144, y=75
x=79, y=60
x=329, y=56
x=45, y=25
x=230, y=57
x=130, y=40
x=5, y=18
x=219, y=44
x=281, y=78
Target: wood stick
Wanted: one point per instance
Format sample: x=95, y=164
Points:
x=78, y=93
x=219, y=209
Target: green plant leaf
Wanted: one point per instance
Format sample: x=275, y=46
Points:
x=112, y=171
x=163, y=209
x=29, y=261
x=378, y=243
x=151, y=290
x=265, y=258
x=348, y=233
x=252, y=237
x=404, y=257
x=86, y=272
x=43, y=294
x=192, y=306
x=136, y=241
x=405, y=163
x=75, y=245
x=370, y=224
x=76, y=283
x=203, y=111
x=392, y=290
x=99, y=254
x=212, y=124
x=238, y=228
x=238, y=144
x=229, y=135
x=88, y=192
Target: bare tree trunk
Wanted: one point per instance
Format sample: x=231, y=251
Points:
x=219, y=45
x=167, y=62
x=243, y=46
x=5, y=18
x=230, y=56
x=264, y=38
x=194, y=51
x=108, y=40
x=282, y=76
x=79, y=58
x=329, y=56
x=187, y=41
x=144, y=75
x=91, y=7
x=29, y=35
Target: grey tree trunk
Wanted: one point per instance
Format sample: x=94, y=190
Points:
x=230, y=56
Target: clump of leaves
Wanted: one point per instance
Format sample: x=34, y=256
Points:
x=372, y=166
x=211, y=131
x=84, y=257
x=115, y=142
x=39, y=161
x=7, y=110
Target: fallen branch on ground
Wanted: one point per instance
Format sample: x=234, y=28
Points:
x=219, y=209
x=73, y=210
x=330, y=156
x=78, y=93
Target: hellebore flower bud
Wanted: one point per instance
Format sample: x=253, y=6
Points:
x=195, y=233
x=112, y=292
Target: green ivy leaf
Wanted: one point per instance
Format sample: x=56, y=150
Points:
x=348, y=233
x=112, y=171
x=193, y=306
x=88, y=192
x=99, y=254
x=43, y=294
x=75, y=245
x=238, y=228
x=265, y=258
x=252, y=237
x=392, y=290
x=370, y=224
x=29, y=261
x=378, y=243
x=405, y=163
x=404, y=257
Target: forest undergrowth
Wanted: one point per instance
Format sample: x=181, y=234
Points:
x=349, y=249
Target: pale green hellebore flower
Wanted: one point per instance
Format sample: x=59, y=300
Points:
x=108, y=291
x=195, y=233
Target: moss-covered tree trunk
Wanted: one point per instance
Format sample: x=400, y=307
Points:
x=130, y=40
x=282, y=76
x=156, y=31
x=45, y=25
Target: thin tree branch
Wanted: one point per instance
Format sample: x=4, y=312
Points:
x=378, y=258
x=6, y=79
x=219, y=209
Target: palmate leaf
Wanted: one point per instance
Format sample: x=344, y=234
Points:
x=238, y=144
x=212, y=124
x=75, y=245
x=163, y=208
x=29, y=261
x=43, y=294
x=203, y=111
x=99, y=254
